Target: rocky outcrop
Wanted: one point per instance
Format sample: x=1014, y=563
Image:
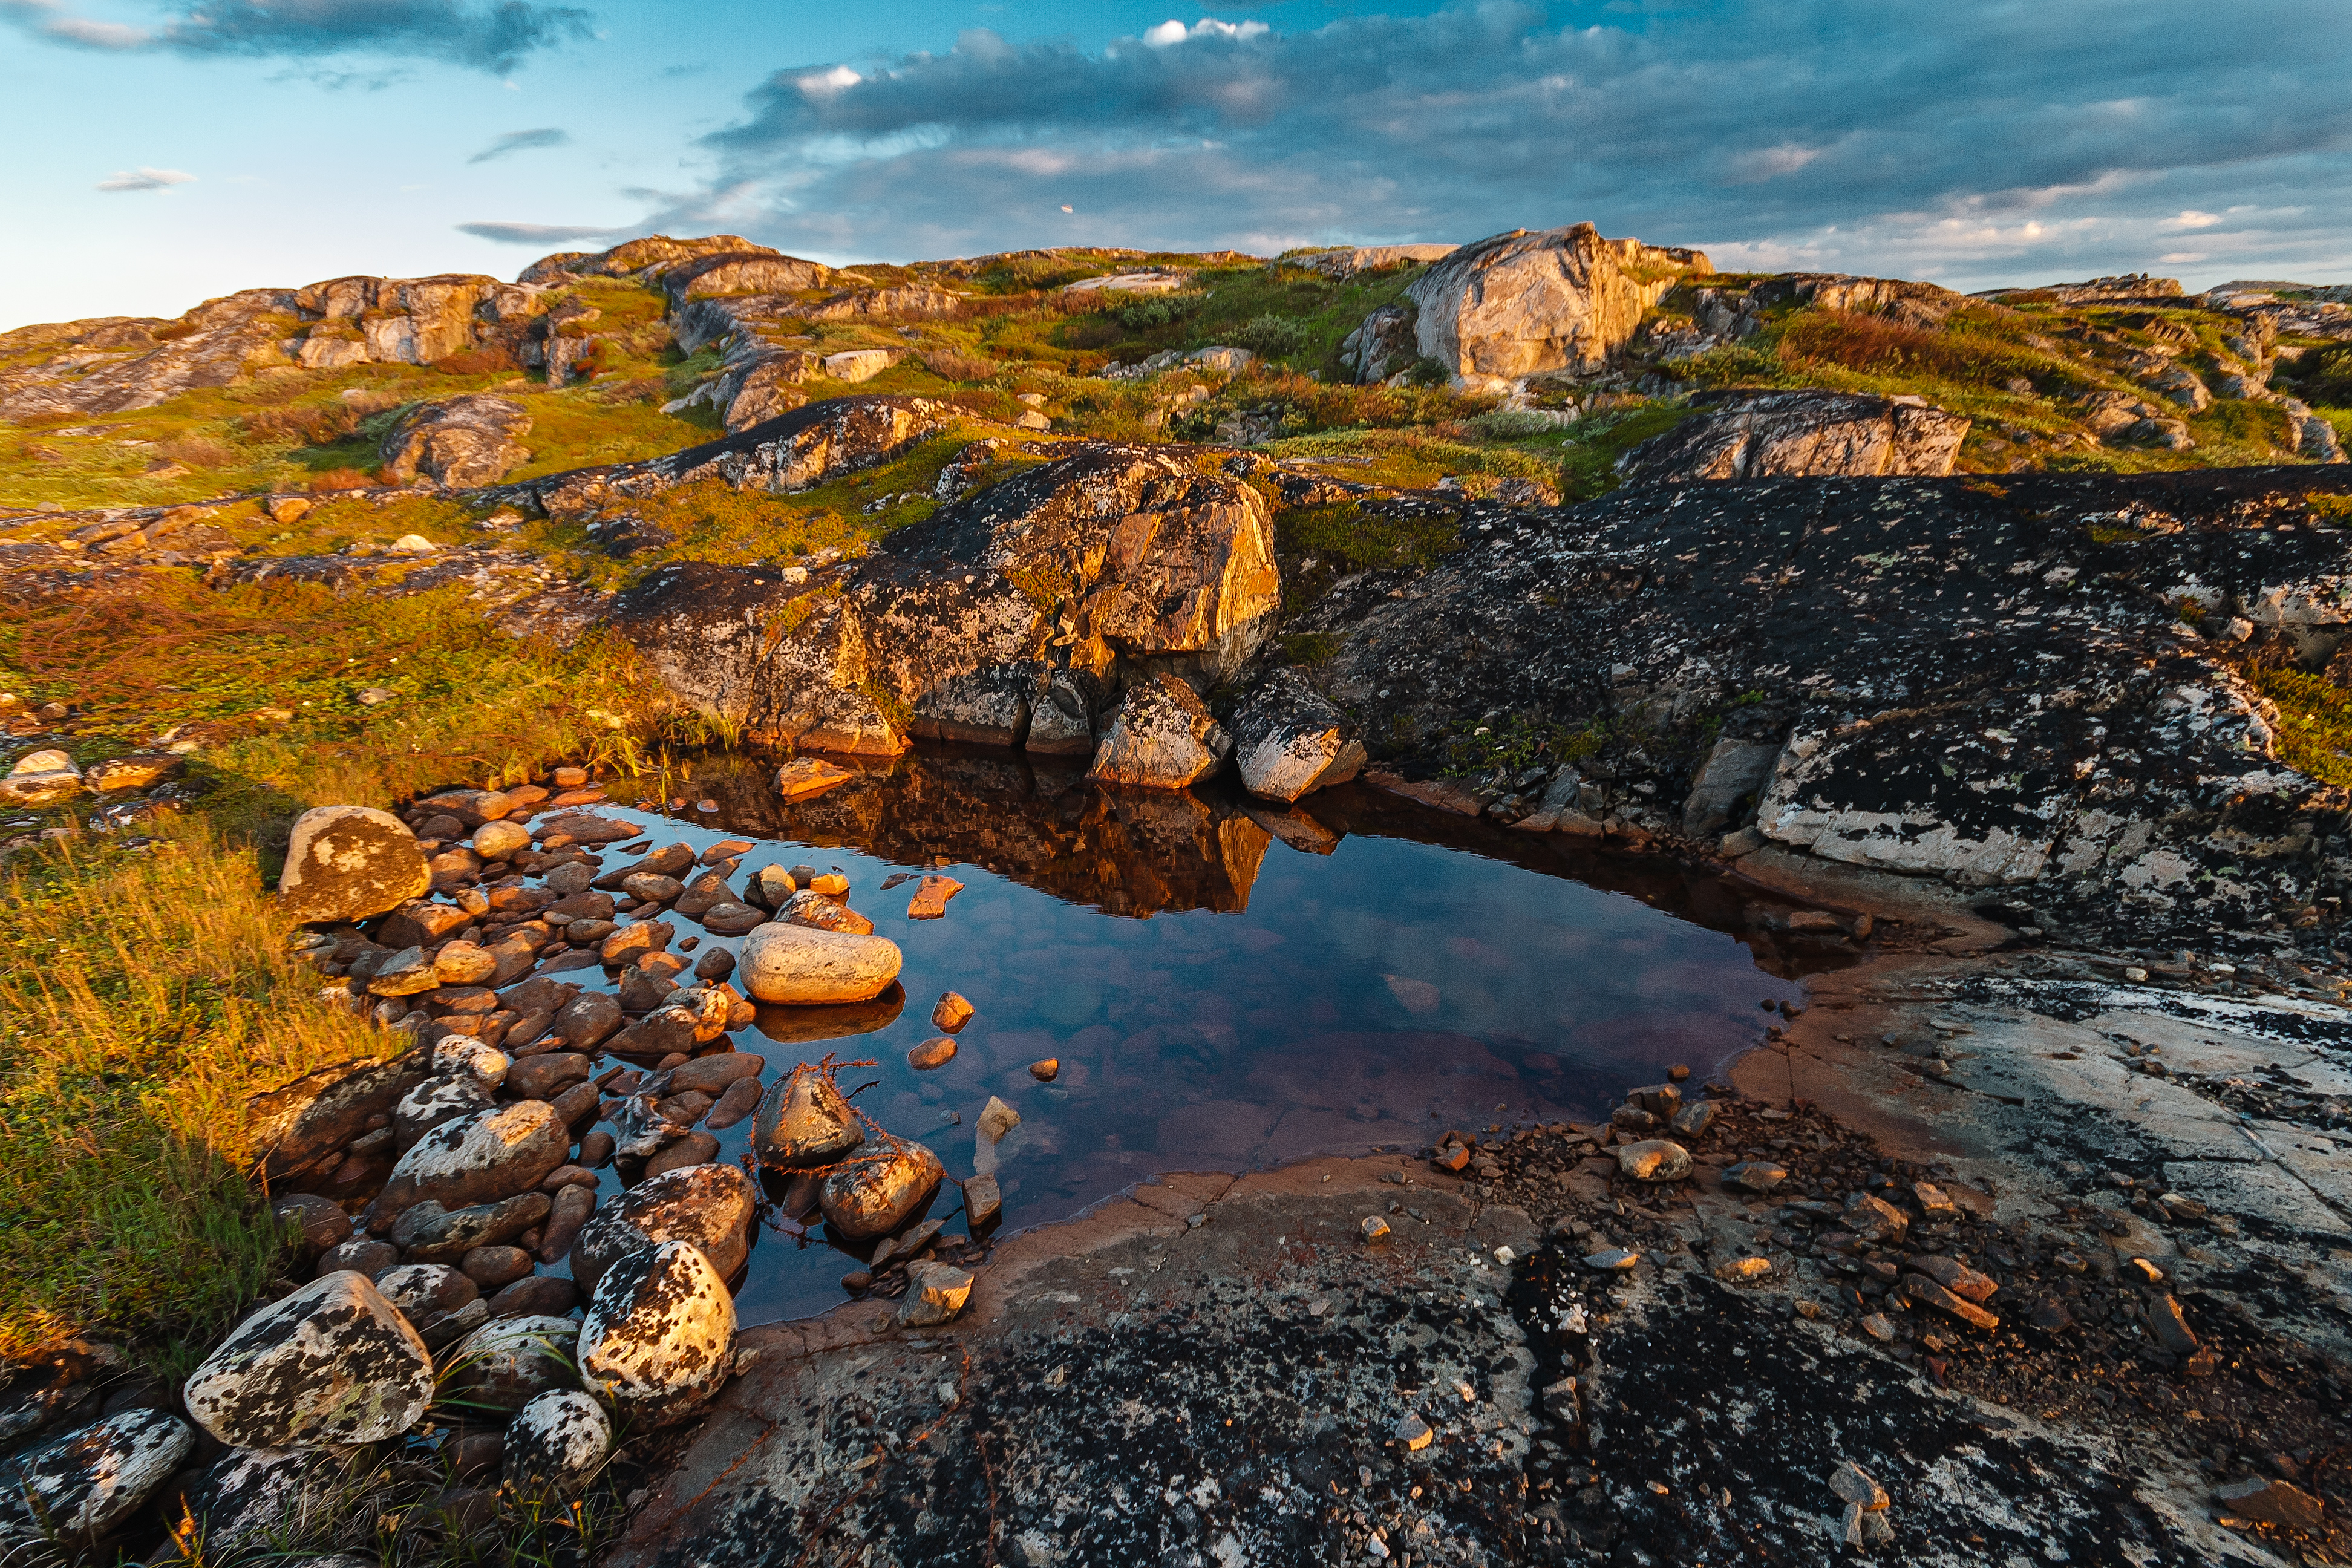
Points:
x=804, y=448
x=1992, y=684
x=653, y=253
x=1347, y=260
x=1383, y=346
x=1765, y=435
x=1164, y=738
x=348, y=862
x=458, y=442
x=1521, y=304
x=1289, y=739
x=1059, y=584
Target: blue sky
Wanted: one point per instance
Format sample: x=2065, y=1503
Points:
x=164, y=151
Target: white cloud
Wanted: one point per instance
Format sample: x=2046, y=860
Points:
x=1173, y=32
x=145, y=180
x=2192, y=218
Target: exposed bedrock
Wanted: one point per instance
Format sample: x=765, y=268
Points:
x=1052, y=590
x=2051, y=680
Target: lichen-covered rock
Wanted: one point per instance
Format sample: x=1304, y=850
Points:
x=804, y=1122
x=805, y=965
x=709, y=1206
x=429, y=1232
x=659, y=1337
x=1290, y=740
x=1384, y=344
x=434, y=1103
x=1763, y=434
x=333, y=1362
x=877, y=1190
x=84, y=1483
x=248, y=1492
x=507, y=1363
x=457, y=441
x=1522, y=303
x=348, y=862
x=554, y=1445
x=480, y=1158
x=1164, y=738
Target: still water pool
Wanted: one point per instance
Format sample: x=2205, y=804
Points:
x=1225, y=987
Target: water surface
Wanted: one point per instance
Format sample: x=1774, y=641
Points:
x=1225, y=987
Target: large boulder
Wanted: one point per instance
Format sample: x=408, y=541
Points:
x=1522, y=303
x=1164, y=738
x=477, y=1159
x=804, y=1122
x=1762, y=434
x=248, y=1492
x=457, y=441
x=84, y=1483
x=1290, y=740
x=712, y=1206
x=348, y=862
x=333, y=1362
x=659, y=1336
x=807, y=966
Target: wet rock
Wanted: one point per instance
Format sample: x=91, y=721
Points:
x=348, y=862
x=588, y=1019
x=86, y=1483
x=693, y=1149
x=982, y=1202
x=815, y=910
x=658, y=1340
x=877, y=1190
x=547, y=1074
x=1653, y=1159
x=631, y=942
x=331, y=1362
x=710, y=1207
x=804, y=778
x=492, y=1268
x=1757, y=435
x=804, y=1123
x=456, y=441
x=719, y=962
x=1290, y=740
x=936, y=1292
x=430, y=1233
x=407, y=972
x=950, y=1013
x=932, y=1053
x=541, y=1295
x=509, y=1361
x=997, y=1119
x=804, y=966
x=929, y=899
x=488, y=1156
x=501, y=840
x=555, y=1443
x=1164, y=738
x=1520, y=304
x=569, y=1211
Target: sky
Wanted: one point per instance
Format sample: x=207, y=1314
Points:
x=164, y=152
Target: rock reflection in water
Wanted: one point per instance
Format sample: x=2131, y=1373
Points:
x=1131, y=852
x=1225, y=985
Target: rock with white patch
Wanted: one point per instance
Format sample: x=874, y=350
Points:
x=86, y=1482
x=331, y=1362
x=348, y=862
x=659, y=1337
x=555, y=1443
x=480, y=1158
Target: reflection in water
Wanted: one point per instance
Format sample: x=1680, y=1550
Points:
x=1224, y=986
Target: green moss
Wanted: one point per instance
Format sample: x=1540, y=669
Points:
x=2315, y=727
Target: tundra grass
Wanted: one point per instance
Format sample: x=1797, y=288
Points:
x=147, y=992
x=2315, y=727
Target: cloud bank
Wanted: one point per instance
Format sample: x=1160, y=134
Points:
x=492, y=36
x=1973, y=143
